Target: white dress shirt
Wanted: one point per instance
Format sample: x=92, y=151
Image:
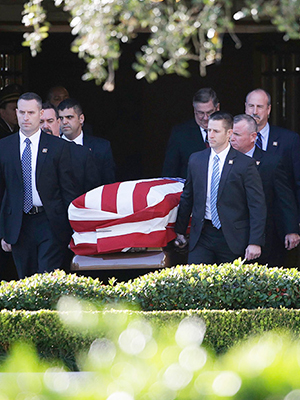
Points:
x=203, y=133
x=35, y=140
x=222, y=156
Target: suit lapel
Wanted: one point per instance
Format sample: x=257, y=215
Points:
x=42, y=153
x=229, y=162
x=258, y=156
x=197, y=135
x=201, y=171
x=15, y=155
x=273, y=142
x=86, y=141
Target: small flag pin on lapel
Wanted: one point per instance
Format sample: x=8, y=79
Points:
x=45, y=150
x=230, y=162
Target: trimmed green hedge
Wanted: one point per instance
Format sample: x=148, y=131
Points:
x=228, y=286
x=55, y=340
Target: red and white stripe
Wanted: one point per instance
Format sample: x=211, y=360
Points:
x=115, y=217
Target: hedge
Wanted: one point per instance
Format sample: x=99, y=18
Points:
x=227, y=286
x=160, y=366
x=56, y=340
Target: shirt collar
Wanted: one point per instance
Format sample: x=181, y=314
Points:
x=33, y=138
x=77, y=140
x=250, y=152
x=222, y=155
x=265, y=130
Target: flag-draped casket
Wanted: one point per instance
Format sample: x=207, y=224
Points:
x=115, y=217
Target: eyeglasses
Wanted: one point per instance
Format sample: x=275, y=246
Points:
x=202, y=114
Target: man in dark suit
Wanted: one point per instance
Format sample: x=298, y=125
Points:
x=8, y=104
x=85, y=171
x=224, y=194
x=282, y=214
x=275, y=140
x=57, y=94
x=190, y=136
x=72, y=117
x=36, y=188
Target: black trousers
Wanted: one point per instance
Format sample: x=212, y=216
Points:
x=37, y=250
x=211, y=247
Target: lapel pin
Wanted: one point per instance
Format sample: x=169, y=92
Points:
x=275, y=143
x=257, y=162
x=45, y=150
x=230, y=162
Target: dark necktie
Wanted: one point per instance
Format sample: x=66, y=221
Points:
x=215, y=179
x=26, y=169
x=259, y=140
x=206, y=138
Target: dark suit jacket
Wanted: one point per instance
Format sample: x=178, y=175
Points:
x=103, y=157
x=4, y=129
x=286, y=143
x=281, y=204
x=54, y=181
x=241, y=202
x=185, y=139
x=86, y=176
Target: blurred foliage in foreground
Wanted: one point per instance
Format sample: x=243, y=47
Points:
x=135, y=361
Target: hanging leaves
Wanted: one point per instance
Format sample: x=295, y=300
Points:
x=179, y=31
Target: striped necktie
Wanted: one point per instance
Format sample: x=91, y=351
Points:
x=215, y=179
x=26, y=169
x=259, y=140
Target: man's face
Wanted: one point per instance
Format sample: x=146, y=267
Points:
x=257, y=106
x=29, y=115
x=58, y=94
x=70, y=123
x=9, y=113
x=218, y=136
x=202, y=112
x=49, y=123
x=241, y=139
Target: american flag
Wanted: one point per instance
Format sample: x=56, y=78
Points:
x=115, y=217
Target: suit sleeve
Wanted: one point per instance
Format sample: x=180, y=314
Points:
x=185, y=205
x=2, y=191
x=286, y=212
x=65, y=175
x=296, y=169
x=171, y=167
x=256, y=205
x=108, y=167
x=92, y=178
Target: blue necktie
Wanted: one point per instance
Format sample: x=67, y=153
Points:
x=259, y=140
x=215, y=179
x=26, y=169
